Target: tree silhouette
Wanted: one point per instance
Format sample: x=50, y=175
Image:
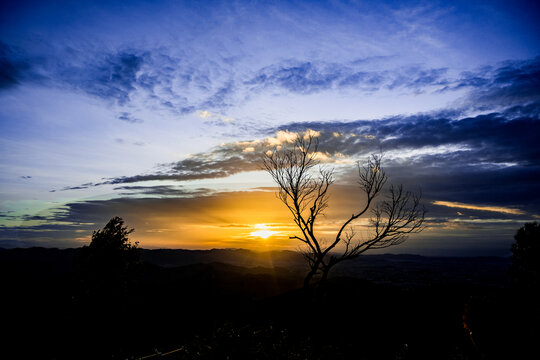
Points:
x=110, y=247
x=525, y=267
x=306, y=196
x=104, y=286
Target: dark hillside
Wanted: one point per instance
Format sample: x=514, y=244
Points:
x=389, y=307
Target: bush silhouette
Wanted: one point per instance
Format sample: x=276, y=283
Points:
x=105, y=264
x=526, y=256
x=110, y=248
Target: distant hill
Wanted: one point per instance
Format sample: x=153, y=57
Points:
x=238, y=257
x=391, y=269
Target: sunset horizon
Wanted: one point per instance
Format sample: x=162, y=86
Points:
x=161, y=113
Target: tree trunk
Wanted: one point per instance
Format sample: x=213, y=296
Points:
x=308, y=278
x=312, y=273
x=324, y=275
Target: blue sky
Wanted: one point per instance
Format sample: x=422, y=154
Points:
x=109, y=102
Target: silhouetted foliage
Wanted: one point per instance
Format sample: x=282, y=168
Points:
x=110, y=248
x=306, y=196
x=490, y=315
x=105, y=266
x=525, y=268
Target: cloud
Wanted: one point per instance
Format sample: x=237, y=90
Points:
x=496, y=139
x=500, y=209
x=425, y=151
x=127, y=117
x=490, y=159
x=512, y=83
x=79, y=187
x=154, y=77
x=369, y=81
x=312, y=77
x=13, y=66
x=219, y=163
x=151, y=75
x=174, y=80
x=113, y=77
x=223, y=161
x=283, y=137
x=300, y=77
x=205, y=114
x=161, y=190
x=221, y=98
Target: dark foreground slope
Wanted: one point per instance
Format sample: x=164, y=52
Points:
x=213, y=310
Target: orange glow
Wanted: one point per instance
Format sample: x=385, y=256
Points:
x=263, y=232
x=504, y=210
x=254, y=220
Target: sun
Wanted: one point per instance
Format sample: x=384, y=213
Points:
x=263, y=231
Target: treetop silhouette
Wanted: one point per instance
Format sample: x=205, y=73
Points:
x=110, y=247
x=525, y=267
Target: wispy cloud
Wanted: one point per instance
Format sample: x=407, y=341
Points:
x=208, y=115
x=111, y=76
x=311, y=77
x=161, y=190
x=169, y=80
x=14, y=66
x=500, y=209
x=512, y=83
x=303, y=77
x=129, y=118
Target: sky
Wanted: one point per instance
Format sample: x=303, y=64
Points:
x=160, y=112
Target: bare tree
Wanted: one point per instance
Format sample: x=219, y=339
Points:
x=303, y=188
